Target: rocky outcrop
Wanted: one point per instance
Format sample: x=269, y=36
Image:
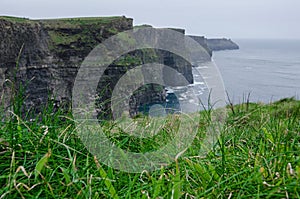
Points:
x=221, y=44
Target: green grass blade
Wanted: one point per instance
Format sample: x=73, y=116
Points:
x=41, y=164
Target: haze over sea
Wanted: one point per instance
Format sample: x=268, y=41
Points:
x=267, y=69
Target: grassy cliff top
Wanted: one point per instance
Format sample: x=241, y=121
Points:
x=14, y=19
x=66, y=21
x=83, y=21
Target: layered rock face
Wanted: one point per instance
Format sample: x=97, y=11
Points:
x=44, y=57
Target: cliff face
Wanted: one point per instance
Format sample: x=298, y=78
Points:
x=203, y=42
x=44, y=56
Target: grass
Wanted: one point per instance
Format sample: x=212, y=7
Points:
x=14, y=19
x=67, y=21
x=84, y=20
x=81, y=23
x=256, y=156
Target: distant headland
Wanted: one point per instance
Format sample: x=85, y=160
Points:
x=221, y=44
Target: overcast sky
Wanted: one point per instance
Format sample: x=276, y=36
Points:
x=212, y=18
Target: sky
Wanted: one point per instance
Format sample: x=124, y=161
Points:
x=273, y=19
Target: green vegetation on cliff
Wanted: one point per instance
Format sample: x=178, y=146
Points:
x=81, y=29
x=14, y=19
x=69, y=22
x=76, y=33
x=82, y=21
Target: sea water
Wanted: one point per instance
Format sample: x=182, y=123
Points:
x=268, y=70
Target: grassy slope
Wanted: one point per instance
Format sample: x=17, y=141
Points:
x=256, y=156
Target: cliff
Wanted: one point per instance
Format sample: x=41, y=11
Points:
x=203, y=42
x=221, y=44
x=43, y=56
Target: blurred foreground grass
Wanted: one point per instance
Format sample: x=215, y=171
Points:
x=256, y=156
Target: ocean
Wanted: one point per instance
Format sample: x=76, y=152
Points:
x=267, y=69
